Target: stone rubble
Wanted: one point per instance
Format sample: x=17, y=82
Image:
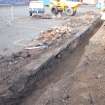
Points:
x=71, y=26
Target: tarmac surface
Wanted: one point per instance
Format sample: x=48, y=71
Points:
x=16, y=26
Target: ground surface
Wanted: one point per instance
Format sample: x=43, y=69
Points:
x=79, y=79
x=21, y=71
x=17, y=27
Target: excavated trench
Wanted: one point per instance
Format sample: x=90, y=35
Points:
x=26, y=75
x=65, y=66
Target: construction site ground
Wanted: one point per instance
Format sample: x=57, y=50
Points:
x=78, y=79
x=17, y=27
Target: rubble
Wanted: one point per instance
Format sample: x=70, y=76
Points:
x=68, y=28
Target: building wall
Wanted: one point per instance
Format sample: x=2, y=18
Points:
x=90, y=1
x=17, y=2
x=14, y=1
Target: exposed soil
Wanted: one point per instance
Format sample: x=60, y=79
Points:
x=14, y=70
x=54, y=37
x=79, y=79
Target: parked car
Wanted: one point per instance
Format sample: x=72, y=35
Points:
x=36, y=7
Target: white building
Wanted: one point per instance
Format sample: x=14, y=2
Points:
x=93, y=1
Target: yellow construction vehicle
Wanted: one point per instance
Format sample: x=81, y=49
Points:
x=64, y=7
